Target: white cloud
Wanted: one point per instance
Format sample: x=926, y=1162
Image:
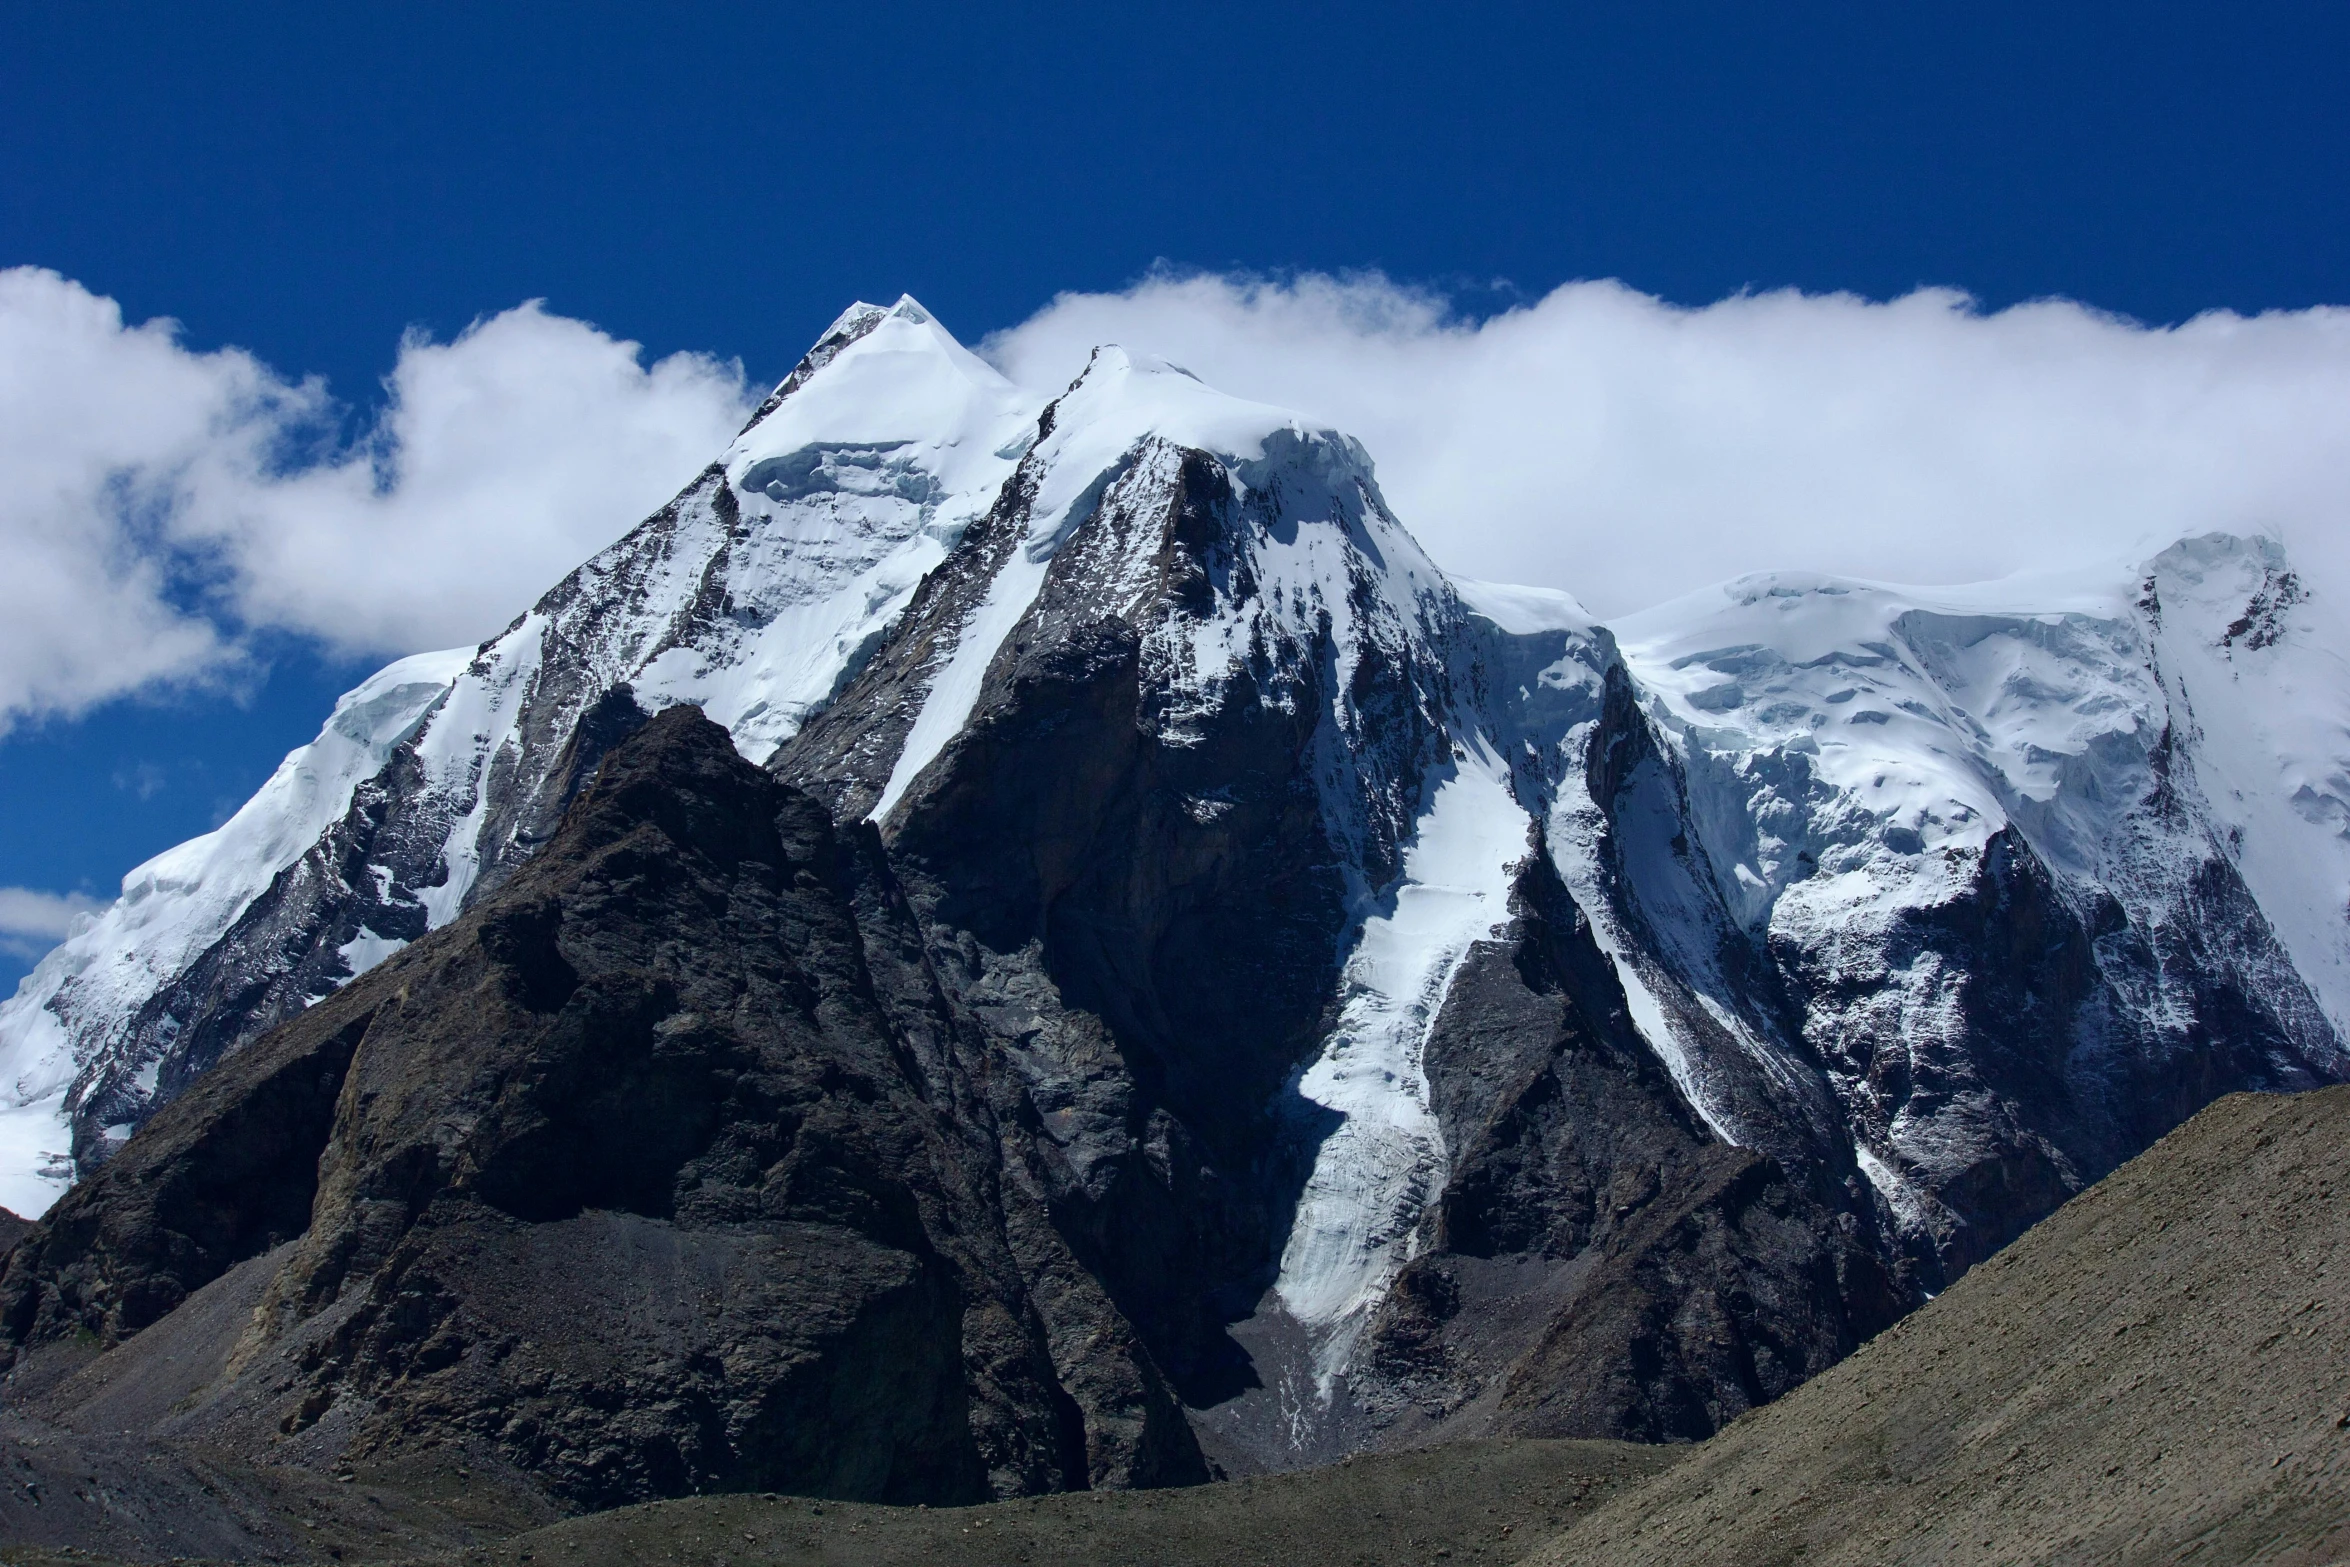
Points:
x=1628, y=451
x=32, y=922
x=88, y=411
x=158, y=505
x=503, y=460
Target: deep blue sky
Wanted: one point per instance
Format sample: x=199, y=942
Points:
x=306, y=181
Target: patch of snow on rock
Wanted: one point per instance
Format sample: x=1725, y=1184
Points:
x=1376, y=1171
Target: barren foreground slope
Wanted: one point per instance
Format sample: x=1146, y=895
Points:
x=2160, y=1372
x=1488, y=1501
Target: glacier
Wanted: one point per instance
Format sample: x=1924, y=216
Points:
x=1376, y=1172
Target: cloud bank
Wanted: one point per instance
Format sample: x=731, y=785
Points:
x=158, y=506
x=1630, y=451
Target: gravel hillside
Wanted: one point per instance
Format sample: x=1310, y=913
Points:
x=2158, y=1373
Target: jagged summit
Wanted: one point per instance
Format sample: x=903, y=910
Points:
x=850, y=325
x=1113, y=451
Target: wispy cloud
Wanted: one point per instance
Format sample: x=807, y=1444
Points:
x=31, y=922
x=143, y=779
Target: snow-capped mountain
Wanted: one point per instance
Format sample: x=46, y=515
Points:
x=1397, y=972
x=1210, y=703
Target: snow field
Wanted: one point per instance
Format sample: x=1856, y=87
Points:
x=1377, y=1170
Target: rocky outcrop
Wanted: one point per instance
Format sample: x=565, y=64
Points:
x=1084, y=854
x=1597, y=1262
x=1142, y=878
x=666, y=1169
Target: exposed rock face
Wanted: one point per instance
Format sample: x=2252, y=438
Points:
x=1193, y=985
x=665, y=1169
x=1135, y=871
x=1597, y=1262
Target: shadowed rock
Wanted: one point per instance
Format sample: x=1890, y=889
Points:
x=666, y=1169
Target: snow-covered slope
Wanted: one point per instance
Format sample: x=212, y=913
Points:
x=2258, y=680
x=1972, y=836
x=1374, y=1174
x=176, y=905
x=845, y=494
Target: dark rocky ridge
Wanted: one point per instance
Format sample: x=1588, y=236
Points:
x=1158, y=973
x=369, y=872
x=1599, y=1263
x=2154, y=1375
x=1142, y=909
x=666, y=1169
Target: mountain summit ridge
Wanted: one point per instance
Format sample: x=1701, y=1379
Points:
x=1391, y=973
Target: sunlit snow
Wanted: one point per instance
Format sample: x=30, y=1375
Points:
x=1378, y=1168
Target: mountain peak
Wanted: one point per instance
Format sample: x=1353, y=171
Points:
x=1288, y=900
x=1123, y=398
x=882, y=380
x=863, y=316
x=896, y=362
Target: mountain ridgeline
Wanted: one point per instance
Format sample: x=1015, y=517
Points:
x=997, y=946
